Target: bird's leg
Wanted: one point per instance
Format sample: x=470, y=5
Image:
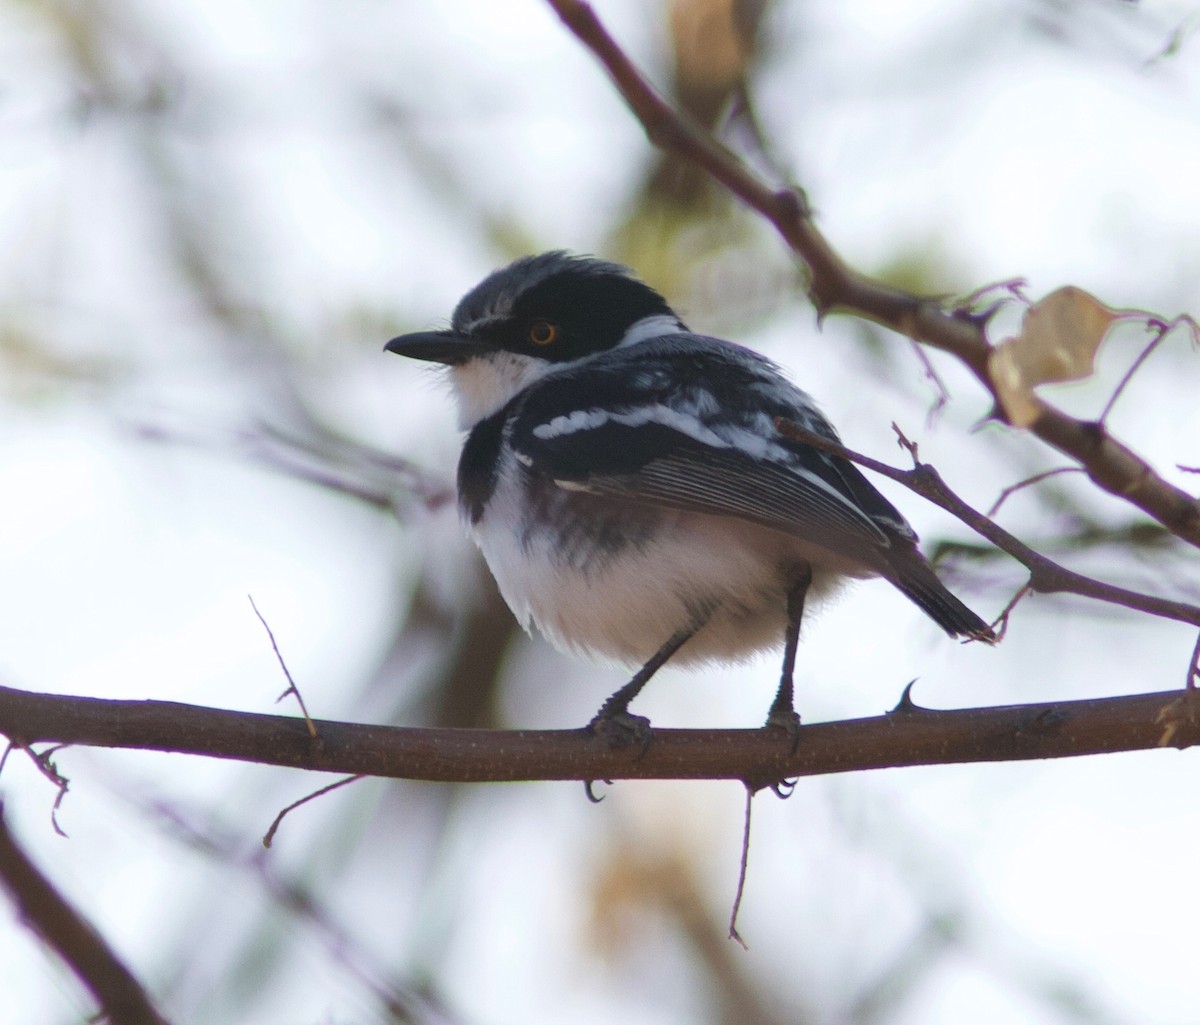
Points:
x=614, y=721
x=783, y=709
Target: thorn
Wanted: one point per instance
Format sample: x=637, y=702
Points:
x=906, y=705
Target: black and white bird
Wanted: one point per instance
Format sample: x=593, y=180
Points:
x=630, y=491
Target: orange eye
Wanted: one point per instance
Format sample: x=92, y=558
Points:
x=542, y=332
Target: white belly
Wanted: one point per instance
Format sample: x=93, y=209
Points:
x=624, y=604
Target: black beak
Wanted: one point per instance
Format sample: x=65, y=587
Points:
x=438, y=347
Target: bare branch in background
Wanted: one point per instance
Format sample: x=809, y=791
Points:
x=63, y=930
x=304, y=900
x=269, y=835
x=1037, y=478
x=347, y=466
x=638, y=881
x=1160, y=329
x=940, y=391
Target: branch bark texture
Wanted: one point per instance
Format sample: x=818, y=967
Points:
x=908, y=735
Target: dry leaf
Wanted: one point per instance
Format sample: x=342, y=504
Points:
x=1058, y=342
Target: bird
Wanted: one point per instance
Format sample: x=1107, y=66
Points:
x=629, y=488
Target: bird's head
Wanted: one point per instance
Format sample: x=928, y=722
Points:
x=531, y=317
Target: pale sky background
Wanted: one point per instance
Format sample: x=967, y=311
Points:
x=959, y=136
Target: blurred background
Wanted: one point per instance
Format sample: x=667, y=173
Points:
x=213, y=215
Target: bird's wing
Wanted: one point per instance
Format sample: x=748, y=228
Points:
x=651, y=429
x=662, y=456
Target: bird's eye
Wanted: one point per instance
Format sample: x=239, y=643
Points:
x=542, y=332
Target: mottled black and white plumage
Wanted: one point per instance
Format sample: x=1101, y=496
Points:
x=627, y=485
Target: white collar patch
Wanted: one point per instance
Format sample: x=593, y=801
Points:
x=650, y=327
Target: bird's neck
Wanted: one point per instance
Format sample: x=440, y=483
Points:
x=487, y=384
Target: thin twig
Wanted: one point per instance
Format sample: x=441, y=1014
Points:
x=291, y=687
x=1000, y=624
x=741, y=883
x=346, y=466
x=1037, y=478
x=1161, y=329
x=269, y=836
x=433, y=490
x=942, y=392
x=1046, y=576
x=1012, y=289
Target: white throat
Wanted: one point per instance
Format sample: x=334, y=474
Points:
x=484, y=385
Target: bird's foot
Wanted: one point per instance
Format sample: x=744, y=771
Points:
x=785, y=718
x=784, y=788
x=622, y=729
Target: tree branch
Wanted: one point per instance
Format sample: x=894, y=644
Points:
x=1045, y=575
x=906, y=736
x=836, y=287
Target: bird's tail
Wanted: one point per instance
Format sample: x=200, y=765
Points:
x=916, y=579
